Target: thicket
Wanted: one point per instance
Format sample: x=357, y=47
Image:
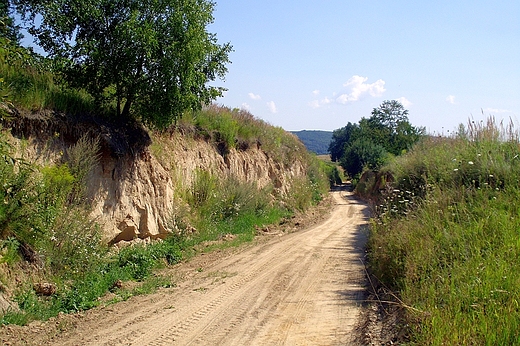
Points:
x=446, y=237
x=46, y=237
x=374, y=140
x=148, y=60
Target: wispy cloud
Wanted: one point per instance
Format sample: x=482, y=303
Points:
x=357, y=88
x=496, y=110
x=404, y=101
x=451, y=99
x=272, y=107
x=319, y=103
x=254, y=97
x=246, y=106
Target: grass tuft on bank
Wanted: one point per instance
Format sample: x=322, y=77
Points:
x=447, y=238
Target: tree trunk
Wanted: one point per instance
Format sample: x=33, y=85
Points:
x=126, y=108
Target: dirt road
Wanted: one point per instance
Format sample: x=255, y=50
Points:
x=303, y=288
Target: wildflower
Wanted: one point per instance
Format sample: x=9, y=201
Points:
x=470, y=162
x=455, y=170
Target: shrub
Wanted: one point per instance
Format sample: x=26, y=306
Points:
x=363, y=153
x=451, y=255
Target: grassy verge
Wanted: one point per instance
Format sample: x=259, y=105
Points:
x=26, y=80
x=46, y=237
x=64, y=245
x=447, y=237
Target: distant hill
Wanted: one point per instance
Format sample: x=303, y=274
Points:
x=315, y=141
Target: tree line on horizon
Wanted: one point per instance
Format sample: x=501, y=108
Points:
x=373, y=141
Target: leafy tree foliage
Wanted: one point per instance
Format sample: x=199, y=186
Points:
x=389, y=127
x=8, y=29
x=363, y=153
x=340, y=138
x=151, y=57
x=369, y=143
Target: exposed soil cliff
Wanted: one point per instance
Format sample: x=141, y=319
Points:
x=132, y=189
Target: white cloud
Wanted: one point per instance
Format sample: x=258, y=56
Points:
x=246, y=106
x=496, y=110
x=315, y=104
x=450, y=99
x=404, y=101
x=359, y=88
x=254, y=97
x=272, y=107
x=319, y=103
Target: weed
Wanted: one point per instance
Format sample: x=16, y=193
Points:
x=453, y=252
x=44, y=215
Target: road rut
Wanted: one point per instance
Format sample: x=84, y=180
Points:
x=302, y=288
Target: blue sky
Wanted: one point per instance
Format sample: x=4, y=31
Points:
x=321, y=64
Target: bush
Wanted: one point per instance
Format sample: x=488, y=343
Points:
x=451, y=254
x=363, y=154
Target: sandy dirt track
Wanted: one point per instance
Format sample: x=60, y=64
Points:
x=302, y=288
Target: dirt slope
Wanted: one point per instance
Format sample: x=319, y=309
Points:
x=303, y=288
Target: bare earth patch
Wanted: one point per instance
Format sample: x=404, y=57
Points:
x=301, y=288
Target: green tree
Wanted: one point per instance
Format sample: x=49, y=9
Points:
x=8, y=29
x=389, y=127
x=340, y=139
x=368, y=143
x=150, y=57
x=362, y=153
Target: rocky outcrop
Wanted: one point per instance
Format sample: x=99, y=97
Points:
x=134, y=198
x=132, y=189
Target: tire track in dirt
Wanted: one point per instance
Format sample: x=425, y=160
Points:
x=303, y=288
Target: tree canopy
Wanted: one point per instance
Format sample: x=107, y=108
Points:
x=8, y=29
x=389, y=127
x=153, y=58
x=340, y=138
x=369, y=143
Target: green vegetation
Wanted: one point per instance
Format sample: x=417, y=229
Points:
x=44, y=218
x=27, y=82
x=52, y=254
x=44, y=221
x=375, y=140
x=151, y=59
x=315, y=141
x=446, y=237
x=8, y=29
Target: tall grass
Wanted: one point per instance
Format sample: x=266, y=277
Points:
x=453, y=253
x=28, y=82
x=44, y=216
x=45, y=221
